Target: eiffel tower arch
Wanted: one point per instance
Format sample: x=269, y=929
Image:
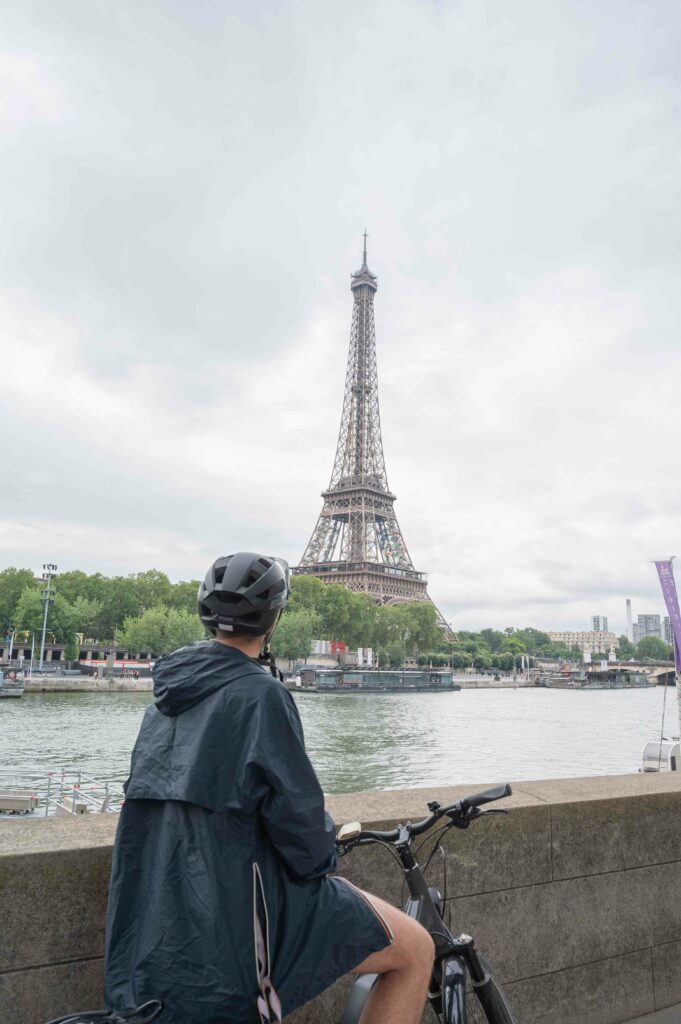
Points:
x=357, y=541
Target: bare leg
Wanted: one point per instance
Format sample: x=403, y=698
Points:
x=404, y=967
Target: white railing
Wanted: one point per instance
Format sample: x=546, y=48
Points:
x=67, y=791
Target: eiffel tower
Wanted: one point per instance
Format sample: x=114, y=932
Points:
x=357, y=541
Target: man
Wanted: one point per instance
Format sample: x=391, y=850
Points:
x=221, y=902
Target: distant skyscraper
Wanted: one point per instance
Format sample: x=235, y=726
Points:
x=599, y=623
x=630, y=628
x=667, y=630
x=649, y=625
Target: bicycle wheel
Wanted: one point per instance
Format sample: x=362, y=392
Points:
x=487, y=1004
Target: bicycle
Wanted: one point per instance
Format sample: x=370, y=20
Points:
x=463, y=987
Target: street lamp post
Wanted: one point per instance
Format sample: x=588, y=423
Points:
x=49, y=572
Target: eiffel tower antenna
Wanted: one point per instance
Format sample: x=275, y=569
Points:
x=357, y=541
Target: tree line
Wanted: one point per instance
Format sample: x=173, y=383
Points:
x=140, y=612
x=145, y=611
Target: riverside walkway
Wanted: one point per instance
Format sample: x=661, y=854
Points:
x=575, y=896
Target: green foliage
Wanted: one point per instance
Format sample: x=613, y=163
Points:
x=183, y=595
x=295, y=633
x=12, y=584
x=493, y=639
x=651, y=647
x=395, y=653
x=28, y=613
x=460, y=659
x=626, y=649
x=359, y=622
x=64, y=618
x=113, y=599
x=160, y=630
x=72, y=649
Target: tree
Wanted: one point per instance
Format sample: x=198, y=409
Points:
x=513, y=646
x=482, y=661
x=492, y=638
x=64, y=619
x=395, y=654
x=12, y=584
x=306, y=592
x=28, y=614
x=460, y=659
x=652, y=648
x=152, y=589
x=72, y=649
x=183, y=595
x=626, y=649
x=160, y=630
x=295, y=633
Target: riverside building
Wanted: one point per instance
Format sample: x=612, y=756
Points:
x=587, y=642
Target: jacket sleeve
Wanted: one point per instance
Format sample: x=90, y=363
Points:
x=292, y=806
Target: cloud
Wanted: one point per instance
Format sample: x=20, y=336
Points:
x=184, y=188
x=28, y=94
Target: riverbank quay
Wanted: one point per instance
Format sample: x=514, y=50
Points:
x=92, y=684
x=575, y=896
x=86, y=684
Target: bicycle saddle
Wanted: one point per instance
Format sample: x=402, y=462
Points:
x=144, y=1014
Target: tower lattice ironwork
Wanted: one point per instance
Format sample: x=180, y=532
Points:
x=357, y=541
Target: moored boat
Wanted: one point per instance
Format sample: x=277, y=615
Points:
x=10, y=686
x=372, y=681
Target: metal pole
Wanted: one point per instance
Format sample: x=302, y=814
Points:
x=11, y=646
x=678, y=682
x=49, y=572
x=42, y=639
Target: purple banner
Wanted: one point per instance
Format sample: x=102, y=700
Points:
x=671, y=599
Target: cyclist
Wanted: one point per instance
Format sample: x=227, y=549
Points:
x=221, y=901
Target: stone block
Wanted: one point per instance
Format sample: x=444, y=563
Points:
x=608, y=992
x=616, y=834
x=43, y=993
x=53, y=906
x=327, y=1008
x=537, y=929
x=498, y=852
x=667, y=974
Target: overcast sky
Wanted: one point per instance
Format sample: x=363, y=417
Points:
x=184, y=185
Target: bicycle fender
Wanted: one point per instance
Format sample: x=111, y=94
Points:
x=359, y=993
x=454, y=990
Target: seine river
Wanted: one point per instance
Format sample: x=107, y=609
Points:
x=378, y=741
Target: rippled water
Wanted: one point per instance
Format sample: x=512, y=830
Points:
x=376, y=741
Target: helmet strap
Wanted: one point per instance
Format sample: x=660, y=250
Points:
x=267, y=658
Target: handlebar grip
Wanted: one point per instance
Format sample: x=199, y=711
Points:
x=487, y=797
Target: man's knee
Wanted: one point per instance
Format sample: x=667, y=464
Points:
x=426, y=948
x=416, y=947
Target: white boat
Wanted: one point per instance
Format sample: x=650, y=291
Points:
x=661, y=756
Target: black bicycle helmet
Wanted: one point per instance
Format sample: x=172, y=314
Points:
x=244, y=594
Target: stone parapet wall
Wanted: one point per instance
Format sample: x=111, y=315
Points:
x=575, y=896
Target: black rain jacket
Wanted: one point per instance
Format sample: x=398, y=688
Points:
x=220, y=902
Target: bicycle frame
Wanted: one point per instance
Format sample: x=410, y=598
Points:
x=455, y=957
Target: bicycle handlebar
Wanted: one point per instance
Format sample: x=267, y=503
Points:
x=458, y=812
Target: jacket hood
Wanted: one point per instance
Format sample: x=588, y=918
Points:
x=191, y=673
